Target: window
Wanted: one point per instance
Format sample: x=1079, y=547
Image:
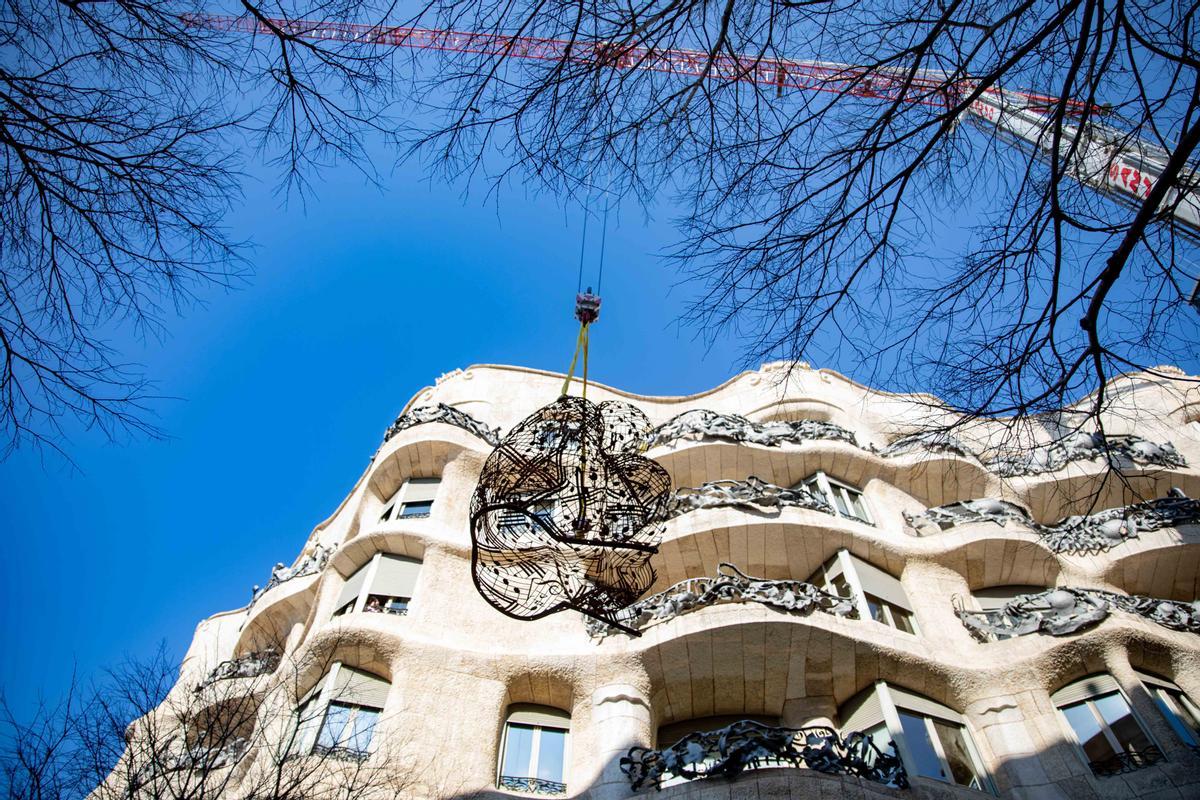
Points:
x=1177, y=707
x=877, y=595
x=535, y=750
x=993, y=599
x=932, y=739
x=384, y=585
x=1104, y=726
x=338, y=716
x=845, y=499
x=413, y=501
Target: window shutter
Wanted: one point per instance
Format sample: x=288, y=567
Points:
x=419, y=489
x=923, y=705
x=877, y=582
x=862, y=711
x=396, y=576
x=1083, y=689
x=360, y=687
x=353, y=586
x=542, y=716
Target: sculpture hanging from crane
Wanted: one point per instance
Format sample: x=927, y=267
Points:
x=568, y=512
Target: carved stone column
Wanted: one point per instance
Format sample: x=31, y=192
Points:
x=620, y=719
x=799, y=712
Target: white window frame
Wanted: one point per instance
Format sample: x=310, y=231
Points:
x=534, y=751
x=393, y=509
x=1163, y=692
x=848, y=572
x=359, y=604
x=1105, y=728
x=355, y=710
x=308, y=730
x=851, y=496
x=891, y=717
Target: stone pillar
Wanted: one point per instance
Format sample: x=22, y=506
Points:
x=799, y=712
x=931, y=588
x=1003, y=722
x=620, y=720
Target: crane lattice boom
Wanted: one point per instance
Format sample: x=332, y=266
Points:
x=1105, y=158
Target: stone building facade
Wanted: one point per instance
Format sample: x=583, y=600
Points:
x=1006, y=609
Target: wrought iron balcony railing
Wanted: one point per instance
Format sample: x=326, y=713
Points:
x=748, y=745
x=532, y=785
x=730, y=585
x=251, y=665
x=1091, y=533
x=1064, y=610
x=1128, y=761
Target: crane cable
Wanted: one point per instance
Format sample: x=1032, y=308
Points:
x=587, y=305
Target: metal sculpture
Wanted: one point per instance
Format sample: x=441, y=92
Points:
x=748, y=744
x=948, y=516
x=930, y=441
x=251, y=665
x=310, y=563
x=730, y=585
x=1081, y=446
x=752, y=494
x=1081, y=534
x=568, y=512
x=423, y=415
x=1064, y=610
x=704, y=424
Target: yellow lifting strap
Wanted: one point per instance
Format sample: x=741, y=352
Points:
x=581, y=345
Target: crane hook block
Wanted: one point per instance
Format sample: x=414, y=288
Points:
x=587, y=307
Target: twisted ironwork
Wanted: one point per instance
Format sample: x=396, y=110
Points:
x=568, y=512
x=440, y=412
x=705, y=424
x=1128, y=761
x=532, y=785
x=251, y=665
x=310, y=563
x=1066, y=610
x=752, y=494
x=1085, y=534
x=748, y=744
x=1082, y=446
x=729, y=585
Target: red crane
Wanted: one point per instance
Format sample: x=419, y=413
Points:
x=1105, y=158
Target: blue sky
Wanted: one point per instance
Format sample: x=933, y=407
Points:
x=283, y=390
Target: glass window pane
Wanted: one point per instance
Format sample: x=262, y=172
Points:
x=1116, y=713
x=841, y=586
x=1174, y=707
x=518, y=751
x=916, y=736
x=903, y=619
x=550, y=755
x=854, y=500
x=1087, y=730
x=363, y=729
x=876, y=607
x=839, y=498
x=954, y=746
x=334, y=726
x=418, y=509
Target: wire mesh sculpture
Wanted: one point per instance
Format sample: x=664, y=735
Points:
x=568, y=512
